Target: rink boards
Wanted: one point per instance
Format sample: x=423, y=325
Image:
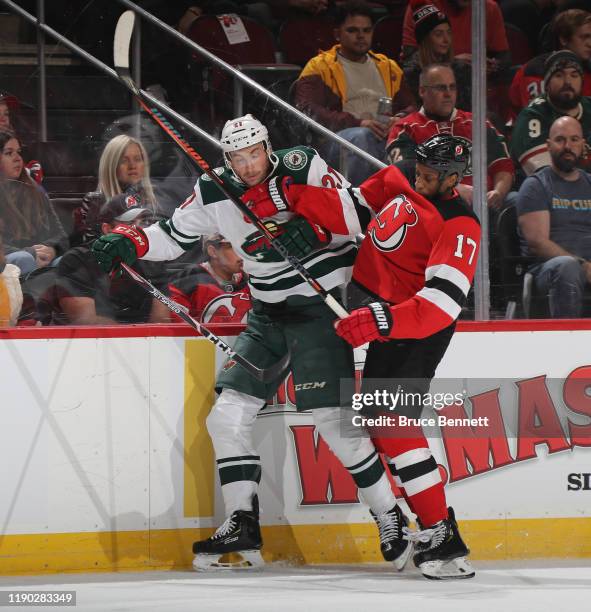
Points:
x=107, y=463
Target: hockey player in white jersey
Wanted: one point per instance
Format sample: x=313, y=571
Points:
x=287, y=316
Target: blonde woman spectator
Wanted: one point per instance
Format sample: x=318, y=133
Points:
x=124, y=168
x=33, y=234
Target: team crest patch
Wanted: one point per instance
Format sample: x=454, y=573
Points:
x=465, y=146
x=295, y=160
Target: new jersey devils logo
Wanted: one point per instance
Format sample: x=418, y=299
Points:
x=227, y=308
x=391, y=223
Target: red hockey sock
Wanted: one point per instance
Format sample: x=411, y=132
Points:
x=417, y=474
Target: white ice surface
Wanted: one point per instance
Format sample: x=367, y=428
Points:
x=527, y=586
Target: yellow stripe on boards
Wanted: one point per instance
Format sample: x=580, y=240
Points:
x=298, y=544
x=199, y=463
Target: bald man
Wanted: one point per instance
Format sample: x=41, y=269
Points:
x=554, y=208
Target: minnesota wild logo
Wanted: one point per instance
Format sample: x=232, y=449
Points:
x=295, y=160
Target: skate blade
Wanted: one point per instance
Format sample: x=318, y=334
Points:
x=402, y=560
x=243, y=560
x=456, y=569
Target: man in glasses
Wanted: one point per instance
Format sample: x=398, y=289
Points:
x=439, y=115
x=89, y=296
x=341, y=88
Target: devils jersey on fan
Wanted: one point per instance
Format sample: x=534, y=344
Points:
x=209, y=299
x=417, y=254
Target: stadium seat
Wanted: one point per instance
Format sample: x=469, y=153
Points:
x=387, y=35
x=517, y=282
x=302, y=38
x=208, y=32
x=255, y=57
x=521, y=51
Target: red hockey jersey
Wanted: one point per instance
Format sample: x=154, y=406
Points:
x=415, y=128
x=209, y=300
x=417, y=254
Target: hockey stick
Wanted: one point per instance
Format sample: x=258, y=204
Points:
x=122, y=41
x=264, y=375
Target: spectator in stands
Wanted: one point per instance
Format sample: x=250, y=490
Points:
x=8, y=104
x=124, y=168
x=563, y=80
x=216, y=290
x=11, y=295
x=438, y=115
x=554, y=208
x=435, y=46
x=527, y=15
x=88, y=296
x=340, y=88
x=313, y=7
x=172, y=174
x=571, y=30
x=33, y=234
x=459, y=13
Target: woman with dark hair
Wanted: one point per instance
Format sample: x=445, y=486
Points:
x=435, y=46
x=33, y=235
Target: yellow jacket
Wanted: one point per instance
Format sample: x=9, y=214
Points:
x=321, y=89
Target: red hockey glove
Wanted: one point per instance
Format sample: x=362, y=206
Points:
x=268, y=199
x=373, y=322
x=125, y=243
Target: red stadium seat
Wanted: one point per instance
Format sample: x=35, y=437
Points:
x=208, y=32
x=302, y=38
x=220, y=96
x=387, y=36
x=521, y=51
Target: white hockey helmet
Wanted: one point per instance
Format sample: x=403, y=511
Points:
x=244, y=132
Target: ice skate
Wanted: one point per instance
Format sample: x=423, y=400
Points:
x=441, y=553
x=394, y=546
x=239, y=538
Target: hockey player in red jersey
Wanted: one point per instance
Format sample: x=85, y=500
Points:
x=416, y=263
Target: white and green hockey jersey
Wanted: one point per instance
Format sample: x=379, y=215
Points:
x=208, y=210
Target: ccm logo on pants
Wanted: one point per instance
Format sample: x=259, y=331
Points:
x=310, y=385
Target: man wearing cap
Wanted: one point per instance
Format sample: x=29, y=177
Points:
x=563, y=82
x=572, y=30
x=215, y=291
x=89, y=296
